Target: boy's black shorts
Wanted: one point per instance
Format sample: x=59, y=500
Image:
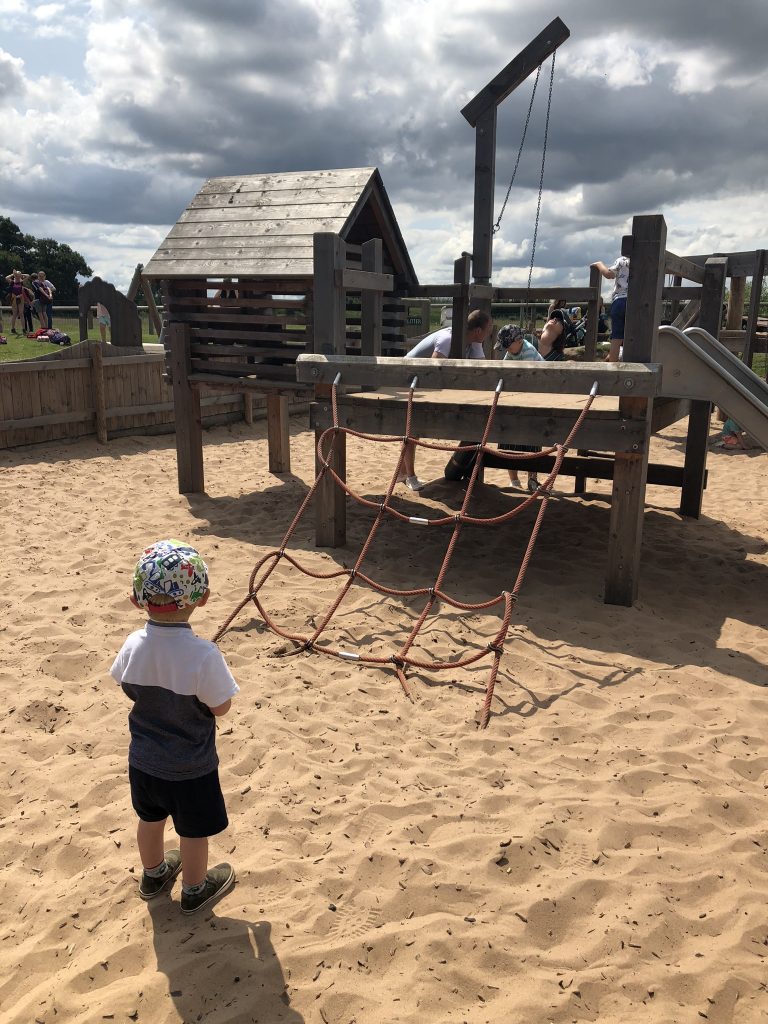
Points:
x=195, y=805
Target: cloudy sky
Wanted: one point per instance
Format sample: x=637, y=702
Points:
x=114, y=113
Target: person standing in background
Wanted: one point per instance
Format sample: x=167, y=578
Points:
x=618, y=272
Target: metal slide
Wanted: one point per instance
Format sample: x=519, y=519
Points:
x=696, y=365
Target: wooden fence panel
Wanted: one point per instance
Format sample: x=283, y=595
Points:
x=51, y=398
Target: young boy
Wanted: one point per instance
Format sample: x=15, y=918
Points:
x=179, y=684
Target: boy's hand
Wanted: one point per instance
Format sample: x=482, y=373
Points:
x=221, y=709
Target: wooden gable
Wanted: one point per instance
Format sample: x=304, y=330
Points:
x=261, y=225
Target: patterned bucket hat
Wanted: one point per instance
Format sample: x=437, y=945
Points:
x=170, y=569
x=508, y=334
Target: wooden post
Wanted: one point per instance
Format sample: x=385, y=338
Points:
x=149, y=299
x=133, y=287
x=186, y=411
x=278, y=434
x=480, y=112
x=331, y=507
x=735, y=305
x=371, y=301
x=330, y=310
x=97, y=388
x=646, y=280
x=676, y=304
x=461, y=276
x=593, y=315
x=248, y=408
x=485, y=183
x=710, y=318
x=754, y=307
x=83, y=326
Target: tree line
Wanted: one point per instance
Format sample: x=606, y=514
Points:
x=19, y=251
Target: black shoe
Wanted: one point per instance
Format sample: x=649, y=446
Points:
x=218, y=881
x=151, y=887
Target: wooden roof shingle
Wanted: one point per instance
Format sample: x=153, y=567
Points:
x=261, y=225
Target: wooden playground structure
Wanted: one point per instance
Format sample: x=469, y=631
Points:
x=287, y=325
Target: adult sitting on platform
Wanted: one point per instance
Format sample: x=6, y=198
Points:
x=438, y=346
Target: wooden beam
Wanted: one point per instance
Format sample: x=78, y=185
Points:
x=688, y=314
x=601, y=430
x=570, y=295
x=238, y=384
x=681, y=292
x=355, y=280
x=133, y=287
x=565, y=378
x=485, y=186
x=682, y=267
x=149, y=301
x=518, y=69
x=461, y=276
x=667, y=411
x=694, y=468
x=740, y=264
x=187, y=415
x=658, y=474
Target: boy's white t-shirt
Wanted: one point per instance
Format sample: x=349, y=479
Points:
x=173, y=677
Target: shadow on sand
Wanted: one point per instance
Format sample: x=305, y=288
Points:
x=705, y=560
x=220, y=968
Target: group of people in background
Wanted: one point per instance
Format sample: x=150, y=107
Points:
x=547, y=345
x=30, y=294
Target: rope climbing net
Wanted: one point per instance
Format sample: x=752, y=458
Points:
x=402, y=659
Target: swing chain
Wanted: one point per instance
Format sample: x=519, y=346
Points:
x=497, y=225
x=541, y=180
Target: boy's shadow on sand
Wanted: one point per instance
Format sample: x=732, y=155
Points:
x=220, y=968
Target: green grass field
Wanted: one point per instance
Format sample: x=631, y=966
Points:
x=19, y=347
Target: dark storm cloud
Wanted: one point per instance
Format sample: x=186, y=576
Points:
x=100, y=195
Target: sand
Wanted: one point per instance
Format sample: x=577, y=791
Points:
x=598, y=854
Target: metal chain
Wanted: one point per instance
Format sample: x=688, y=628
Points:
x=497, y=225
x=541, y=177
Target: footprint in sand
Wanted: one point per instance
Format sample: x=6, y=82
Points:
x=353, y=921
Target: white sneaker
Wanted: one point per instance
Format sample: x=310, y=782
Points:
x=414, y=483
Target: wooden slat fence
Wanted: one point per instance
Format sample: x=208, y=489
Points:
x=63, y=394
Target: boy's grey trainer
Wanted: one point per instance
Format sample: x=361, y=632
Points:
x=151, y=887
x=218, y=881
